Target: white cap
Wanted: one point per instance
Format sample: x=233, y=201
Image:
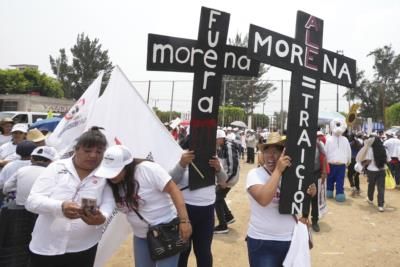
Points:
x=221, y=134
x=47, y=152
x=20, y=127
x=114, y=160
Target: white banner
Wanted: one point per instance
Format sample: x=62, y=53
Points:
x=74, y=122
x=127, y=119
x=322, y=204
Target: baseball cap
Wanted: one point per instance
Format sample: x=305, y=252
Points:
x=25, y=148
x=114, y=160
x=19, y=127
x=47, y=152
x=221, y=134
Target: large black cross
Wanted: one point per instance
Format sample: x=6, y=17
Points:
x=309, y=63
x=209, y=58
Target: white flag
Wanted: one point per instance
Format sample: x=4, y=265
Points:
x=74, y=122
x=128, y=120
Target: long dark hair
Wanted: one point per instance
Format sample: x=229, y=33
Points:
x=379, y=152
x=129, y=186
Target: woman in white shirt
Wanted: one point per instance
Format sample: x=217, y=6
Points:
x=6, y=125
x=200, y=206
x=145, y=187
x=64, y=234
x=270, y=233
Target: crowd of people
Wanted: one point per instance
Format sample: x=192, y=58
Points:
x=53, y=210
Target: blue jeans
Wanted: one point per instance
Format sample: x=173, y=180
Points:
x=266, y=253
x=142, y=255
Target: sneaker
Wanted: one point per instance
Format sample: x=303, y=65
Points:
x=358, y=192
x=220, y=229
x=381, y=209
x=369, y=201
x=230, y=219
x=315, y=227
x=353, y=191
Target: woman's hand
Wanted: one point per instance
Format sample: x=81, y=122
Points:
x=93, y=218
x=304, y=220
x=284, y=161
x=187, y=158
x=71, y=210
x=214, y=163
x=185, y=230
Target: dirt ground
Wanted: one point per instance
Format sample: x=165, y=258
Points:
x=353, y=233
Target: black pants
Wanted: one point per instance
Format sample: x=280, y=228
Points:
x=250, y=155
x=78, y=259
x=376, y=178
x=221, y=208
x=202, y=220
x=352, y=175
x=313, y=201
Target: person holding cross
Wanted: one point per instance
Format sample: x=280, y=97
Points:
x=200, y=207
x=270, y=233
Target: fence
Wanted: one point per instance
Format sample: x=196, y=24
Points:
x=176, y=95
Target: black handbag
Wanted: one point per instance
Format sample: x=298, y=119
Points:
x=163, y=239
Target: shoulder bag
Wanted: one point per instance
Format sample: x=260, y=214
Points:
x=163, y=239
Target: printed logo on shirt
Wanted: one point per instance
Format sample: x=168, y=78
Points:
x=276, y=197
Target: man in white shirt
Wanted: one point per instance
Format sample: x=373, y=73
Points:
x=64, y=234
x=7, y=150
x=392, y=145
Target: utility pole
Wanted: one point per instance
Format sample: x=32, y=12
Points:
x=172, y=101
x=337, y=86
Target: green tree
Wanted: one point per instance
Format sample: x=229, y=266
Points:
x=393, y=114
x=384, y=89
x=62, y=70
x=29, y=80
x=88, y=59
x=245, y=92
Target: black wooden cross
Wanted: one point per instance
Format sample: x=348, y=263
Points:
x=209, y=58
x=309, y=63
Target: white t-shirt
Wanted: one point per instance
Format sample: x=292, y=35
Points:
x=7, y=150
x=372, y=165
x=266, y=223
x=5, y=138
x=392, y=146
x=10, y=169
x=204, y=196
x=155, y=205
x=22, y=182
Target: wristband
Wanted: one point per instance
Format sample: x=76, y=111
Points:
x=184, y=221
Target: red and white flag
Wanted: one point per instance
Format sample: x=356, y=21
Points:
x=75, y=121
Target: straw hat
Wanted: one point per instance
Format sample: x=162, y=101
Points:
x=274, y=138
x=35, y=135
x=6, y=120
